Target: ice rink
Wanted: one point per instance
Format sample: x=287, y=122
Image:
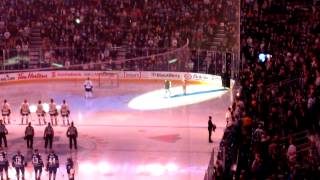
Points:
x=127, y=132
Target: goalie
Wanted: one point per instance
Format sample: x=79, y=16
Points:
x=88, y=87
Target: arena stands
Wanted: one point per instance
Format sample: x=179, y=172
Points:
x=74, y=32
x=275, y=112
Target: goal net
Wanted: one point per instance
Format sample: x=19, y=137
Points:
x=108, y=80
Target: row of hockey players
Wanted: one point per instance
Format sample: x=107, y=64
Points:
x=19, y=163
x=25, y=112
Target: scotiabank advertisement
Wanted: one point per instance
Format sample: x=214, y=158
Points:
x=134, y=75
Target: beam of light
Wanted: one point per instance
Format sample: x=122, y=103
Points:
x=45, y=107
x=86, y=167
x=12, y=174
x=33, y=108
x=171, y=167
x=157, y=99
x=156, y=169
x=80, y=116
x=104, y=168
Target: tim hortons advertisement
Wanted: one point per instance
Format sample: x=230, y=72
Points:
x=32, y=75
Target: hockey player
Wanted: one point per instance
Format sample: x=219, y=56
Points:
x=4, y=164
x=6, y=111
x=48, y=136
x=18, y=163
x=65, y=112
x=88, y=87
x=70, y=169
x=52, y=164
x=72, y=134
x=184, y=86
x=3, y=134
x=53, y=112
x=37, y=164
x=24, y=111
x=41, y=113
x=167, y=86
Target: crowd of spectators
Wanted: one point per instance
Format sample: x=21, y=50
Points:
x=83, y=31
x=275, y=115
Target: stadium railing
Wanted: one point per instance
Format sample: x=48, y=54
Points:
x=181, y=59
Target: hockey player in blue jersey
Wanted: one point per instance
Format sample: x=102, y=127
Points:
x=70, y=169
x=52, y=164
x=37, y=164
x=18, y=163
x=4, y=163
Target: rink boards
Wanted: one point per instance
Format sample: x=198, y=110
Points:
x=115, y=75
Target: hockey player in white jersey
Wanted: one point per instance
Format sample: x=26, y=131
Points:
x=6, y=111
x=41, y=113
x=64, y=111
x=53, y=112
x=24, y=111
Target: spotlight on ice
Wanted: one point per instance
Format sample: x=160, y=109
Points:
x=45, y=107
x=171, y=167
x=156, y=99
x=33, y=108
x=86, y=167
x=104, y=167
x=155, y=169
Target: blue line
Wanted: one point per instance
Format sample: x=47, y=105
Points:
x=198, y=92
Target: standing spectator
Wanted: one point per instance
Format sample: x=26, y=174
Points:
x=37, y=164
x=292, y=153
x=18, y=163
x=256, y=167
x=211, y=127
x=72, y=134
x=28, y=135
x=24, y=111
x=52, y=164
x=65, y=112
x=41, y=113
x=70, y=168
x=48, y=136
x=4, y=163
x=53, y=112
x=229, y=117
x=3, y=133
x=6, y=111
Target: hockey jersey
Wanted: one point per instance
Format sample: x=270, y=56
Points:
x=36, y=160
x=52, y=161
x=18, y=161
